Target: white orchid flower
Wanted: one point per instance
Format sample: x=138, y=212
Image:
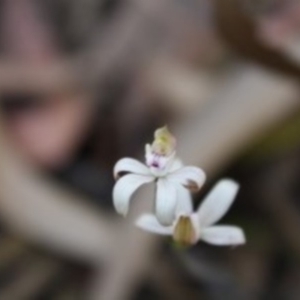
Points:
x=173, y=180
x=190, y=228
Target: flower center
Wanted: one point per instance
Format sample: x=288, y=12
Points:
x=162, y=150
x=164, y=142
x=184, y=231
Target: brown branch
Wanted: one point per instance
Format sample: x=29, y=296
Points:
x=25, y=77
x=48, y=214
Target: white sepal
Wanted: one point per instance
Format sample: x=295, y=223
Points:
x=166, y=201
x=184, y=201
x=124, y=189
x=130, y=165
x=222, y=235
x=191, y=177
x=149, y=223
x=217, y=202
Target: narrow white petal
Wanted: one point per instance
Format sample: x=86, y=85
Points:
x=124, y=189
x=166, y=201
x=184, y=201
x=223, y=235
x=217, y=202
x=191, y=177
x=196, y=225
x=149, y=222
x=130, y=165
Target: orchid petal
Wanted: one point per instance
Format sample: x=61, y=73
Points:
x=130, y=165
x=191, y=177
x=184, y=201
x=166, y=201
x=196, y=225
x=149, y=223
x=217, y=202
x=223, y=235
x=124, y=189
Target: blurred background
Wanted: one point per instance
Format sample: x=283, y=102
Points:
x=86, y=82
